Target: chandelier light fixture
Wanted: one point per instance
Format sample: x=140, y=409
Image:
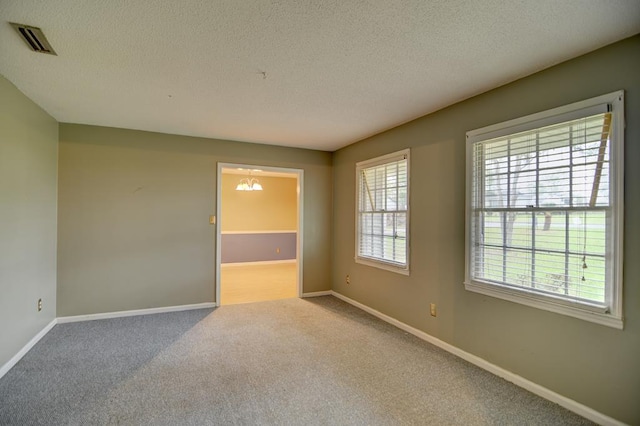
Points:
x=249, y=184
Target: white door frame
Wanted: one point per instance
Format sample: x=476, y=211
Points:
x=299, y=233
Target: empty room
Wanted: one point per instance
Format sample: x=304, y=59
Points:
x=293, y=212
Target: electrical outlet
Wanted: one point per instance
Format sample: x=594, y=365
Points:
x=39, y=305
x=348, y=279
x=278, y=250
x=432, y=309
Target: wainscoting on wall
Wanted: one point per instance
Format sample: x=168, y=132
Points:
x=264, y=246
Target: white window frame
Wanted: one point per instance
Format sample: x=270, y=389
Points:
x=373, y=261
x=612, y=314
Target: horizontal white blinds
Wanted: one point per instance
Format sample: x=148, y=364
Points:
x=540, y=209
x=382, y=211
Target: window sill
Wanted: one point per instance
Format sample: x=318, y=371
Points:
x=383, y=265
x=585, y=313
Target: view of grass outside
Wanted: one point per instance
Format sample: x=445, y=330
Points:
x=551, y=260
x=384, y=234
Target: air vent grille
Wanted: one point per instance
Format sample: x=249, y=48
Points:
x=34, y=37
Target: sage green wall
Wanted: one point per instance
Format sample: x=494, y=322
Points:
x=28, y=169
x=592, y=364
x=134, y=212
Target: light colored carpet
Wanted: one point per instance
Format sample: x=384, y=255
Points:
x=287, y=362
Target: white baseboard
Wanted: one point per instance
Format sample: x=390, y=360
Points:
x=62, y=320
x=318, y=293
x=532, y=387
x=26, y=348
x=262, y=262
x=119, y=314
x=286, y=231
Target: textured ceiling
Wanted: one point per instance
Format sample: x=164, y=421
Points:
x=313, y=74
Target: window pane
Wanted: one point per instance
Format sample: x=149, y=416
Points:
x=518, y=267
x=488, y=263
x=402, y=198
x=522, y=152
x=366, y=198
x=391, y=202
x=401, y=225
x=553, y=187
x=496, y=165
x=523, y=189
x=589, y=180
x=602, y=197
x=366, y=222
x=380, y=199
x=550, y=272
x=550, y=231
x=586, y=152
x=555, y=157
x=392, y=175
x=389, y=224
x=587, y=232
x=582, y=184
x=495, y=191
x=592, y=286
x=366, y=244
x=403, y=176
x=518, y=229
x=377, y=246
x=377, y=177
x=377, y=223
x=400, y=250
x=493, y=229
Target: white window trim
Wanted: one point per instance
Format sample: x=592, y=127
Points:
x=388, y=266
x=614, y=317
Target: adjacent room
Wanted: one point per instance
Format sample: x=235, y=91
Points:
x=259, y=216
x=421, y=212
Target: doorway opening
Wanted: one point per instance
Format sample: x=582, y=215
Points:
x=258, y=233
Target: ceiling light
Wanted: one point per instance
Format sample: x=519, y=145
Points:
x=249, y=184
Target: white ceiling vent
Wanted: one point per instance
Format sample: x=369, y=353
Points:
x=34, y=37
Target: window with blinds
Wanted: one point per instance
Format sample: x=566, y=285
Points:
x=382, y=222
x=545, y=209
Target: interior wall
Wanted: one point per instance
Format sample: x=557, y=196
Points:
x=134, y=212
x=28, y=175
x=589, y=363
x=275, y=208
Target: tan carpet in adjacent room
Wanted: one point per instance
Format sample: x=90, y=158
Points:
x=258, y=282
